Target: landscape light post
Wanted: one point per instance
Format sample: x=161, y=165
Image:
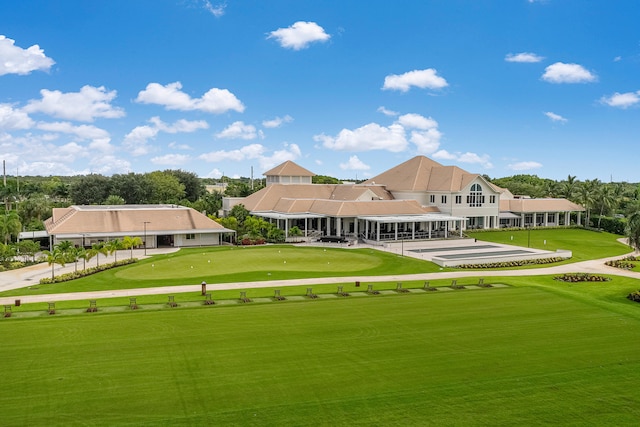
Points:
x=145, y=236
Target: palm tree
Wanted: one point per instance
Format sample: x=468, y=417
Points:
x=606, y=199
x=96, y=250
x=129, y=242
x=633, y=230
x=56, y=256
x=587, y=193
x=112, y=247
x=81, y=253
x=10, y=225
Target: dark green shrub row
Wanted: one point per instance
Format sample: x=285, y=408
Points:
x=518, y=263
x=559, y=227
x=611, y=225
x=87, y=272
x=582, y=277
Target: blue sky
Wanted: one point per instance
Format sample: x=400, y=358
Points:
x=343, y=88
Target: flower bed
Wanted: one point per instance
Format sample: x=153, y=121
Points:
x=518, y=263
x=581, y=277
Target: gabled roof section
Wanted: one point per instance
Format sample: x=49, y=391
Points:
x=129, y=219
x=289, y=168
x=412, y=175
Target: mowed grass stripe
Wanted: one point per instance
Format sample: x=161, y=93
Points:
x=517, y=355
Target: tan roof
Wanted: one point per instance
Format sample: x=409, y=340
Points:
x=423, y=174
x=267, y=198
x=289, y=168
x=129, y=219
x=539, y=205
x=342, y=208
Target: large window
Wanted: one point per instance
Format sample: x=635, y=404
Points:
x=475, y=199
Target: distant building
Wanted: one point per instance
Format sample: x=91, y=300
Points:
x=156, y=225
x=418, y=199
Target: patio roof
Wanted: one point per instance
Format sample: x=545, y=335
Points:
x=412, y=218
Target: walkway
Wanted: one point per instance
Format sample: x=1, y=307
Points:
x=27, y=276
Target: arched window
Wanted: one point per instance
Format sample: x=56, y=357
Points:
x=475, y=198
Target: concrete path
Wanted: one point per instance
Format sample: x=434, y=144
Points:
x=16, y=279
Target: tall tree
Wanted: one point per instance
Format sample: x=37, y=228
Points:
x=90, y=190
x=134, y=188
x=605, y=198
x=633, y=230
x=129, y=242
x=165, y=188
x=95, y=250
x=10, y=225
x=113, y=246
x=193, y=185
x=56, y=256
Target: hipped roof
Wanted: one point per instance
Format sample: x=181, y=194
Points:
x=423, y=174
x=133, y=219
x=289, y=168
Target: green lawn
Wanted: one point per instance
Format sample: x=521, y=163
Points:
x=584, y=244
x=239, y=264
x=522, y=355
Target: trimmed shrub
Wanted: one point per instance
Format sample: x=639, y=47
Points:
x=87, y=272
x=581, y=277
x=518, y=263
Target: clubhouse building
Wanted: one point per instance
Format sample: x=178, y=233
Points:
x=156, y=225
x=416, y=200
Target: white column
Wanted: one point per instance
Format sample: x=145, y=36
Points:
x=339, y=226
x=328, y=226
x=546, y=219
x=535, y=219
x=567, y=218
x=377, y=231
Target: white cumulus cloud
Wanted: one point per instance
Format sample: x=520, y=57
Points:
x=82, y=131
x=555, y=117
x=84, y=106
x=621, y=100
x=366, y=138
x=289, y=152
x=136, y=141
x=14, y=119
x=423, y=79
x=423, y=133
x=299, y=35
x=171, y=160
x=238, y=130
x=468, y=157
x=251, y=151
x=523, y=57
x=524, y=166
x=387, y=112
x=15, y=60
x=567, y=73
x=277, y=122
x=216, y=101
x=354, y=164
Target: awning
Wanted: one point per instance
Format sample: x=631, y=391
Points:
x=508, y=215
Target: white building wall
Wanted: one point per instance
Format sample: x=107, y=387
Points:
x=210, y=239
